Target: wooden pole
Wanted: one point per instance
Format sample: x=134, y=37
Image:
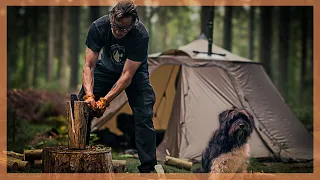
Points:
x=77, y=124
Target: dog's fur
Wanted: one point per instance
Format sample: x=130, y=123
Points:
x=228, y=149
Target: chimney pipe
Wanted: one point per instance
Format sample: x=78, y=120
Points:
x=210, y=33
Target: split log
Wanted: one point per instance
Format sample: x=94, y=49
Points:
x=119, y=166
x=31, y=155
x=15, y=155
x=14, y=164
x=91, y=160
x=78, y=115
x=179, y=163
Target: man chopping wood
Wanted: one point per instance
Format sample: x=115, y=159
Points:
x=123, y=67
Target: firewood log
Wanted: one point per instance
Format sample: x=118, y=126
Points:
x=31, y=155
x=179, y=163
x=14, y=164
x=14, y=155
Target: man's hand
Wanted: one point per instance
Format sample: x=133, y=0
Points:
x=101, y=106
x=89, y=99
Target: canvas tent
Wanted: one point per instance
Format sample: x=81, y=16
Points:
x=193, y=88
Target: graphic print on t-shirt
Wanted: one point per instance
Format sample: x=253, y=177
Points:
x=118, y=54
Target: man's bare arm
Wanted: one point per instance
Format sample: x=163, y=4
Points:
x=129, y=69
x=88, y=69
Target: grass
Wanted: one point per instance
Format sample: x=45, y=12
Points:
x=26, y=133
x=255, y=166
x=279, y=167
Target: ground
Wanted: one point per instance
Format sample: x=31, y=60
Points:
x=43, y=124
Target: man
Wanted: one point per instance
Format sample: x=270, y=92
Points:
x=123, y=66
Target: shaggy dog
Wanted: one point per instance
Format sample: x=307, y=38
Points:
x=228, y=150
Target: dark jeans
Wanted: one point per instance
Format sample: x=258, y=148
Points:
x=141, y=98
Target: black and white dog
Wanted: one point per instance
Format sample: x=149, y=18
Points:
x=228, y=150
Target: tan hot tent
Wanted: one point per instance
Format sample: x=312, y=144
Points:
x=192, y=88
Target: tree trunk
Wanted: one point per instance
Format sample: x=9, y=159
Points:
x=94, y=13
x=304, y=46
x=153, y=10
x=51, y=44
x=74, y=65
x=36, y=48
x=12, y=42
x=45, y=48
x=59, y=40
x=266, y=38
x=25, y=56
x=77, y=124
x=142, y=11
x=310, y=68
x=227, y=29
x=284, y=31
x=65, y=50
x=64, y=160
x=251, y=32
x=163, y=13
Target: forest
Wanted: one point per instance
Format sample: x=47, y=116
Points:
x=46, y=44
x=46, y=49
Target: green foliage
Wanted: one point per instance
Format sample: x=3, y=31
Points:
x=254, y=166
x=58, y=122
x=173, y=27
x=93, y=139
x=272, y=167
x=52, y=86
x=20, y=132
x=60, y=141
x=63, y=130
x=305, y=115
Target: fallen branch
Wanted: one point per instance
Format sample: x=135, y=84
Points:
x=179, y=163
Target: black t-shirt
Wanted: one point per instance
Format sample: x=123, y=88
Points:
x=134, y=45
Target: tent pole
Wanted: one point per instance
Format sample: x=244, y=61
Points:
x=210, y=34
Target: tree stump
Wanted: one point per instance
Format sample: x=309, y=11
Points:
x=63, y=160
x=78, y=115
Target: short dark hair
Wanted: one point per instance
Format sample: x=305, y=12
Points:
x=125, y=8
